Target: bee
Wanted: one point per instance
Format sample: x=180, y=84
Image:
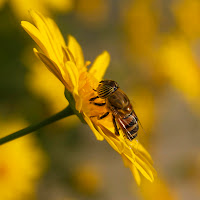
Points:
x=119, y=105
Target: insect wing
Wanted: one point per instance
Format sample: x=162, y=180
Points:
x=129, y=126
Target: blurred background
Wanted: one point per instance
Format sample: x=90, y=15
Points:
x=155, y=57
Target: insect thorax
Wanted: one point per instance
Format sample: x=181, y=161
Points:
x=119, y=100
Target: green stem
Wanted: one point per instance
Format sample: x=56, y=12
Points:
x=60, y=115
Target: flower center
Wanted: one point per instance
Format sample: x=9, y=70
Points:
x=87, y=91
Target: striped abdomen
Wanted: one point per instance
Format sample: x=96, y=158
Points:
x=129, y=125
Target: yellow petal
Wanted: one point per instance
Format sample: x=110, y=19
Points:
x=57, y=33
x=52, y=38
x=35, y=35
x=51, y=65
x=90, y=124
x=146, y=161
x=76, y=50
x=126, y=161
x=137, y=147
x=66, y=55
x=73, y=74
x=112, y=139
x=78, y=101
x=144, y=152
x=100, y=65
x=133, y=169
x=39, y=21
x=119, y=143
x=56, y=36
x=136, y=174
x=144, y=169
x=127, y=151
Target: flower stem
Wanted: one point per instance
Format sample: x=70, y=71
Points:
x=60, y=115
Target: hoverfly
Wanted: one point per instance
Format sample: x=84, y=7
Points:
x=118, y=104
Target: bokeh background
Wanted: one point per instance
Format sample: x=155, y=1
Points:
x=155, y=57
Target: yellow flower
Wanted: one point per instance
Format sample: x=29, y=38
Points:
x=21, y=164
x=67, y=63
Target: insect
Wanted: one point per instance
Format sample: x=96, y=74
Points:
x=118, y=104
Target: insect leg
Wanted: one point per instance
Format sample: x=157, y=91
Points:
x=97, y=104
x=100, y=104
x=103, y=116
x=92, y=99
x=115, y=125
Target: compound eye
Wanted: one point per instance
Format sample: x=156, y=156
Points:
x=116, y=85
